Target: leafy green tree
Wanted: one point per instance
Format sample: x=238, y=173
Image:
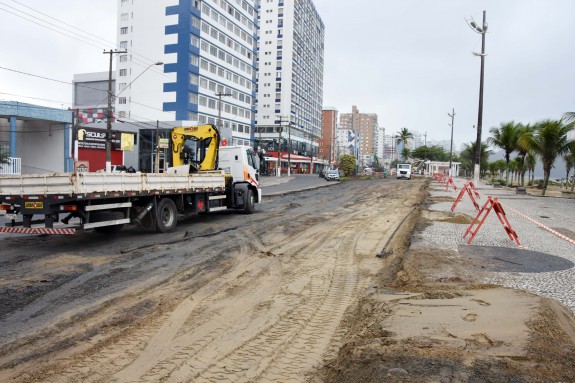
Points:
x=549, y=140
x=505, y=137
x=4, y=157
x=433, y=153
x=347, y=164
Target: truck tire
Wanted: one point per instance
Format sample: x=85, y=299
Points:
x=108, y=216
x=166, y=216
x=250, y=202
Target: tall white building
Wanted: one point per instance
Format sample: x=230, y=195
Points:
x=290, y=75
x=208, y=53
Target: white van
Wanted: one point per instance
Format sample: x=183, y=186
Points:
x=404, y=171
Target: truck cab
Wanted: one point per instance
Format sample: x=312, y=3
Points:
x=242, y=164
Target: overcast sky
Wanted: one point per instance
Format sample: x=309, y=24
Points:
x=409, y=61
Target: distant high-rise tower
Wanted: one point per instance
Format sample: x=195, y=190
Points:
x=364, y=124
x=290, y=75
x=208, y=53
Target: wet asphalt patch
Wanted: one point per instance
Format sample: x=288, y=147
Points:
x=504, y=259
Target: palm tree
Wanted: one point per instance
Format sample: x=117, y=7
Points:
x=522, y=150
x=530, y=162
x=403, y=136
x=467, y=157
x=512, y=168
x=505, y=137
x=569, y=163
x=549, y=140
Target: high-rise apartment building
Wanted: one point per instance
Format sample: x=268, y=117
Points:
x=208, y=53
x=364, y=125
x=290, y=75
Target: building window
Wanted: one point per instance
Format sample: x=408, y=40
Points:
x=194, y=60
x=124, y=30
x=123, y=72
x=123, y=44
x=124, y=16
x=196, y=22
x=195, y=41
x=194, y=98
x=121, y=100
x=123, y=58
x=194, y=79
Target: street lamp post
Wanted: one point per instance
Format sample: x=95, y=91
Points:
x=452, y=115
x=481, y=30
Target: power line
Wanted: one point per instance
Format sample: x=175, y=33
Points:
x=60, y=21
x=78, y=38
x=145, y=61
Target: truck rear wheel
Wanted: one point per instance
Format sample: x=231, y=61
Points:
x=166, y=216
x=250, y=202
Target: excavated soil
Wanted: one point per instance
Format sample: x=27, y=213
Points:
x=316, y=286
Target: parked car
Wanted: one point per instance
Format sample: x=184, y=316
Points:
x=332, y=174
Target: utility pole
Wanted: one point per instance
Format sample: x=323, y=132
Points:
x=311, y=154
x=289, y=149
x=279, y=168
x=157, y=162
x=482, y=30
x=220, y=95
x=452, y=115
x=109, y=122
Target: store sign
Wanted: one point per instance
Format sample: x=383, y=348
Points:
x=90, y=138
x=164, y=143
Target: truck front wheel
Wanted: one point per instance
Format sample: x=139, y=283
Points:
x=250, y=202
x=166, y=216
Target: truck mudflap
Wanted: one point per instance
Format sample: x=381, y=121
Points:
x=37, y=230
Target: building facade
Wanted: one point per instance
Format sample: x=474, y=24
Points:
x=328, y=142
x=188, y=60
x=362, y=124
x=290, y=77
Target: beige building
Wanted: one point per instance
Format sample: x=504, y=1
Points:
x=363, y=123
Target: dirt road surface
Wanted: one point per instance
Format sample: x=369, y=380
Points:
x=316, y=286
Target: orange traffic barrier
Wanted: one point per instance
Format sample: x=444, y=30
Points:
x=491, y=204
x=466, y=188
x=472, y=187
x=450, y=181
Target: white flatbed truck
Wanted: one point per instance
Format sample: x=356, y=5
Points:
x=33, y=203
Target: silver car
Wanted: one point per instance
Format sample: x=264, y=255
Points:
x=332, y=174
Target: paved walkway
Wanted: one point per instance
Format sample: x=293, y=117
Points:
x=545, y=227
